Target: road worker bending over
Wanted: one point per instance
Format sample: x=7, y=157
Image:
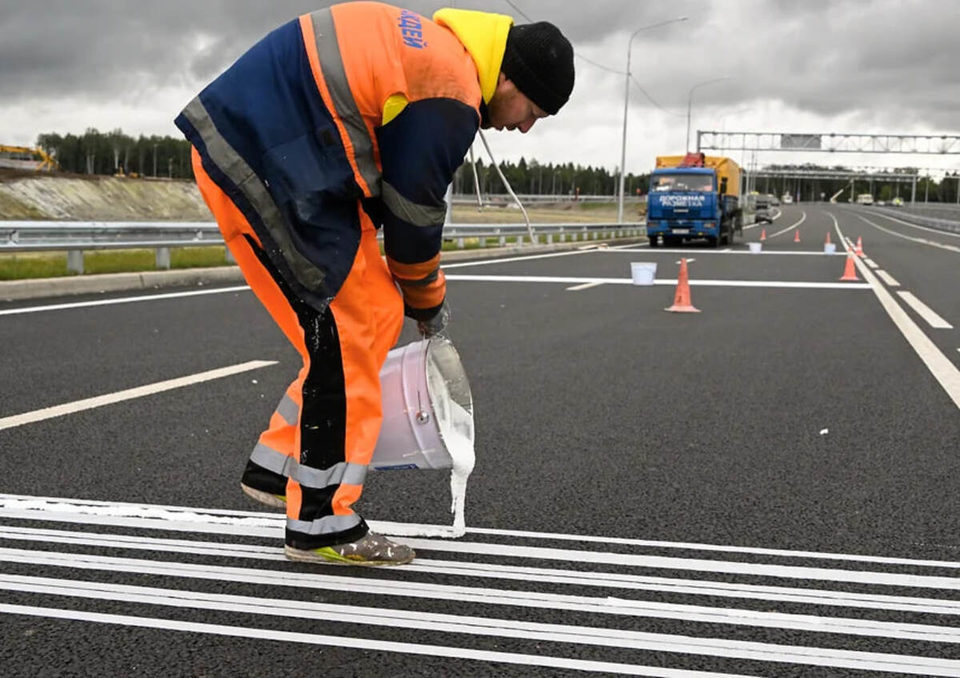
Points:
x=346, y=120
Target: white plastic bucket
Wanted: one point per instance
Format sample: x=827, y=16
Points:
x=643, y=272
x=427, y=406
x=755, y=247
x=829, y=248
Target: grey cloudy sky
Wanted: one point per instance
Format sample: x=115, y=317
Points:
x=856, y=66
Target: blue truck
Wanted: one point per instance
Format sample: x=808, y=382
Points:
x=694, y=196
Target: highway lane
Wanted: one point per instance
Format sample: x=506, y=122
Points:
x=797, y=419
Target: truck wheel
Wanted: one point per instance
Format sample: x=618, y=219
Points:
x=713, y=242
x=653, y=241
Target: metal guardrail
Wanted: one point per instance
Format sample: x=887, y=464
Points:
x=76, y=237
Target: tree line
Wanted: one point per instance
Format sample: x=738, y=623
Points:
x=95, y=152
x=116, y=153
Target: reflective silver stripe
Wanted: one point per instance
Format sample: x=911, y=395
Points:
x=270, y=459
x=411, y=212
x=288, y=409
x=314, y=478
x=342, y=472
x=240, y=173
x=335, y=75
x=426, y=280
x=325, y=525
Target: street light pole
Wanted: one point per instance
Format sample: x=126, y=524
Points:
x=626, y=102
x=690, y=105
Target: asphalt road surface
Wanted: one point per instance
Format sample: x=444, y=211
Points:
x=767, y=487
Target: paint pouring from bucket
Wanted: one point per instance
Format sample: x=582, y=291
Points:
x=428, y=421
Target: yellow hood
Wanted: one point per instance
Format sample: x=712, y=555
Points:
x=484, y=35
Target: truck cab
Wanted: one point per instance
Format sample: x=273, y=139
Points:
x=689, y=199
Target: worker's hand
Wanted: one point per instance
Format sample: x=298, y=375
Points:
x=437, y=325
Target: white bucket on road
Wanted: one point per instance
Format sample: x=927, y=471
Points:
x=427, y=407
x=427, y=423
x=829, y=248
x=755, y=247
x=643, y=272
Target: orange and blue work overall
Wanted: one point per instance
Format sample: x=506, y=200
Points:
x=343, y=121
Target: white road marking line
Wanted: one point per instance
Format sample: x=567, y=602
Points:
x=803, y=217
x=122, y=300
x=871, y=263
x=128, y=394
x=944, y=371
x=350, y=642
x=492, y=626
x=922, y=228
x=222, y=521
x=529, y=257
x=646, y=561
x=571, y=280
x=576, y=578
x=922, y=241
x=584, y=286
x=887, y=278
x=700, y=252
x=925, y=312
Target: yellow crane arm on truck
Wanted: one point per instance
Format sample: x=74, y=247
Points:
x=23, y=154
x=726, y=168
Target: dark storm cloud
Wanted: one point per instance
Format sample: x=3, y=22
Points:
x=888, y=59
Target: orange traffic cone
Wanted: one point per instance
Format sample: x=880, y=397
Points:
x=859, y=251
x=796, y=236
x=681, y=300
x=827, y=241
x=763, y=234
x=850, y=270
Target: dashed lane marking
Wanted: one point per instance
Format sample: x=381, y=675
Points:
x=942, y=369
x=584, y=286
x=925, y=312
x=887, y=278
x=129, y=394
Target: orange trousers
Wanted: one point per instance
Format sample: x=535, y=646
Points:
x=322, y=435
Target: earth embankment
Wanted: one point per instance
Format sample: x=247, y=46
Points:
x=76, y=197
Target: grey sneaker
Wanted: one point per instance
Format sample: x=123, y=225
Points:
x=370, y=550
x=265, y=498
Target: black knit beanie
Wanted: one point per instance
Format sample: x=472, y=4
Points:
x=539, y=61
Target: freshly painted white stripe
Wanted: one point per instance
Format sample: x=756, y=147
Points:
x=887, y=278
x=818, y=597
x=123, y=300
x=673, y=563
x=129, y=394
x=944, y=371
x=870, y=263
x=210, y=521
x=495, y=627
x=569, y=280
x=584, y=286
x=924, y=311
x=803, y=217
x=350, y=642
x=688, y=564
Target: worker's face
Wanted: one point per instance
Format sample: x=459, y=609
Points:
x=510, y=109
